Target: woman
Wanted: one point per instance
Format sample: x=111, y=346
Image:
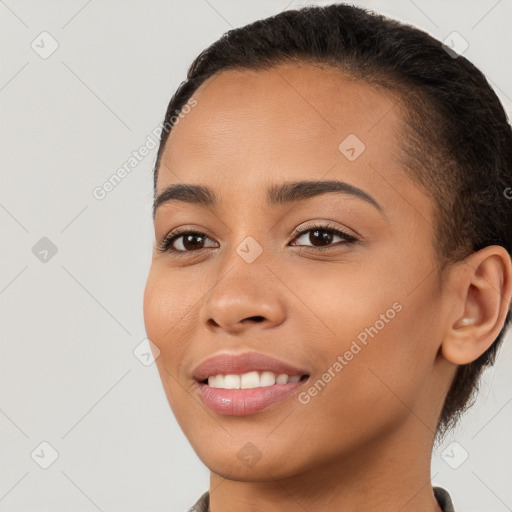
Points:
x=332, y=269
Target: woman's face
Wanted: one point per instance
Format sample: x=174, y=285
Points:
x=362, y=316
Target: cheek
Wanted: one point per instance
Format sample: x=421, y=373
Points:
x=162, y=314
x=387, y=340
x=154, y=317
x=374, y=392
x=171, y=304
x=396, y=366
x=165, y=307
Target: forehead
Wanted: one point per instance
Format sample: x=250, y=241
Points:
x=252, y=128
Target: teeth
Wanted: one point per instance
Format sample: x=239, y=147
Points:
x=231, y=382
x=267, y=379
x=250, y=380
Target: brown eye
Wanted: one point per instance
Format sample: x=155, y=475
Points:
x=319, y=237
x=322, y=237
x=187, y=241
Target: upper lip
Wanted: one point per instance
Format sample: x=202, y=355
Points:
x=237, y=363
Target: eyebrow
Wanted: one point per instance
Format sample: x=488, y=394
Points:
x=285, y=193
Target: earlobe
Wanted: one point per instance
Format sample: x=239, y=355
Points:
x=483, y=288
x=465, y=321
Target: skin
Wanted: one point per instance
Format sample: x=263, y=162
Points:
x=364, y=442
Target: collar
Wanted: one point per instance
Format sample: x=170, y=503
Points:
x=442, y=497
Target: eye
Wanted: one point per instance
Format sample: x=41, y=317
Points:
x=323, y=236
x=186, y=241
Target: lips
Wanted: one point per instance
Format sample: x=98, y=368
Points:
x=232, y=363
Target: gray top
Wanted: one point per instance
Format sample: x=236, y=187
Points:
x=442, y=497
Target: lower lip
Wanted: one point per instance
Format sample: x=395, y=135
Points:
x=241, y=402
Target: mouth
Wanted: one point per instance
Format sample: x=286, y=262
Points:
x=251, y=380
x=242, y=394
x=236, y=384
x=250, y=366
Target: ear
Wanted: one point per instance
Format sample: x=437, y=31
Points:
x=482, y=289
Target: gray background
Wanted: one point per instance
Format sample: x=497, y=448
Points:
x=70, y=322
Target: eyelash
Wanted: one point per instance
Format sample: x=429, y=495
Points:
x=166, y=244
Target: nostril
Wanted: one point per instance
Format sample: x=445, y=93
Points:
x=257, y=318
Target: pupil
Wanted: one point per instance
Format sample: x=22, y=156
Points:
x=325, y=238
x=188, y=243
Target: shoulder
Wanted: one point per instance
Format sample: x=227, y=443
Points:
x=202, y=504
x=443, y=498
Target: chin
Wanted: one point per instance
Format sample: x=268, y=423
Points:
x=248, y=459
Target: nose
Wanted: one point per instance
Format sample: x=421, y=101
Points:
x=245, y=296
x=225, y=322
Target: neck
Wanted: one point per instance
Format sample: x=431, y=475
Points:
x=386, y=475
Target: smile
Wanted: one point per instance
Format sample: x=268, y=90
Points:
x=250, y=380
